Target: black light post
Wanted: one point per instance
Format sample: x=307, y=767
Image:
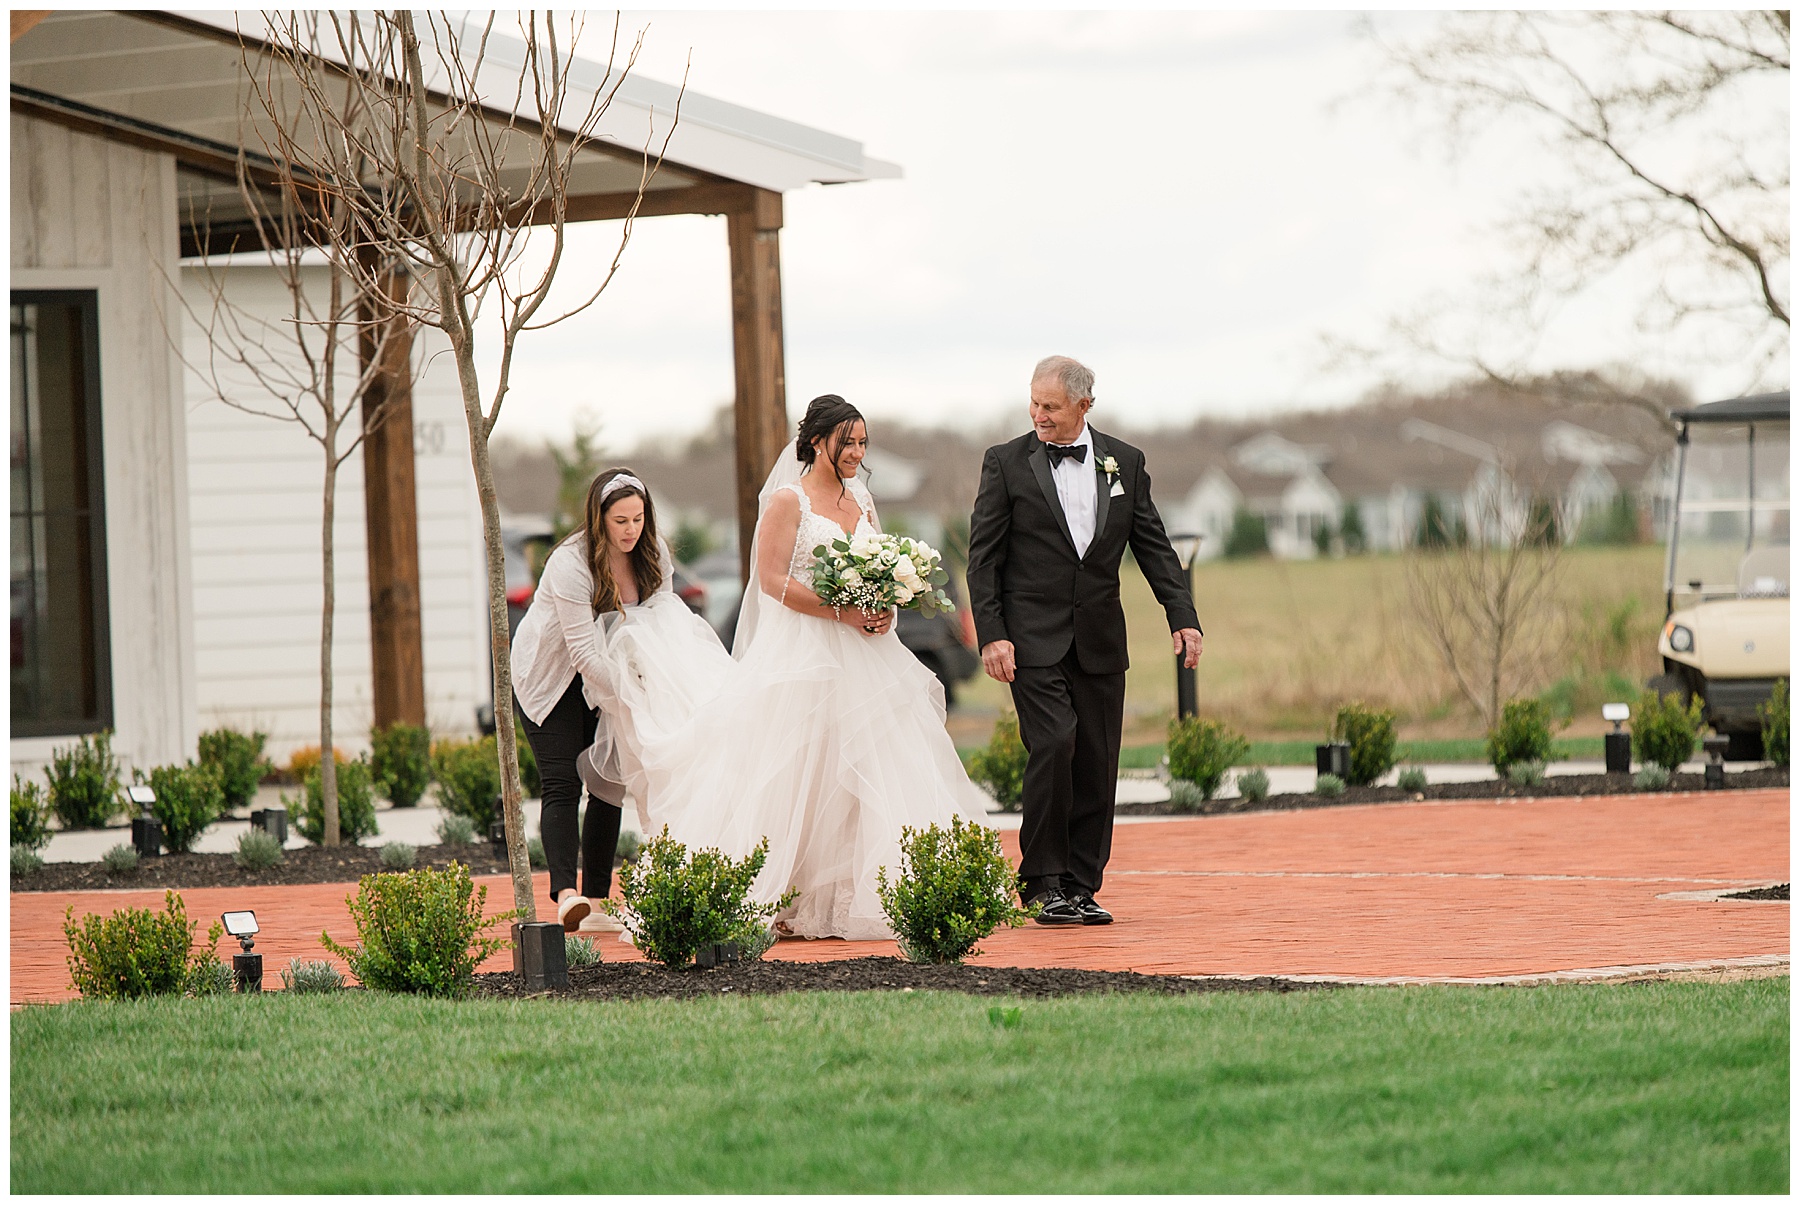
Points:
x=1187, y=697
x=273, y=821
x=1618, y=741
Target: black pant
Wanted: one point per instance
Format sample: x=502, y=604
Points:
x=565, y=733
x=1072, y=723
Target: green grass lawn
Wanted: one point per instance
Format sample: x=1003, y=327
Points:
x=1653, y=1088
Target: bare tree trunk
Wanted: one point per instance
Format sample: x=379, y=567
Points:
x=328, y=778
x=512, y=793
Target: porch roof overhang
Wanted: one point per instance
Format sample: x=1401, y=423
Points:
x=174, y=81
x=1762, y=407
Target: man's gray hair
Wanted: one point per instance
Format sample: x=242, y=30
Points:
x=1076, y=378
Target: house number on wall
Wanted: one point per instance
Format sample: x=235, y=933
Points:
x=428, y=439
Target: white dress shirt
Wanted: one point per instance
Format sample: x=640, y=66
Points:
x=557, y=639
x=1078, y=489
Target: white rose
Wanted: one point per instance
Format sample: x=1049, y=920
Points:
x=902, y=594
x=851, y=578
x=864, y=546
x=903, y=568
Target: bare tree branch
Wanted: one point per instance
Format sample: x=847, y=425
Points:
x=1672, y=128
x=416, y=162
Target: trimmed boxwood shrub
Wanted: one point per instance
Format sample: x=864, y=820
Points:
x=237, y=759
x=419, y=931
x=1663, y=732
x=1774, y=715
x=400, y=761
x=468, y=779
x=1202, y=751
x=954, y=888
x=188, y=798
x=30, y=815
x=356, y=804
x=1001, y=765
x=135, y=952
x=1370, y=735
x=1523, y=734
x=674, y=905
x=84, y=782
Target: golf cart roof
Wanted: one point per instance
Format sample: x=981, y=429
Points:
x=1763, y=407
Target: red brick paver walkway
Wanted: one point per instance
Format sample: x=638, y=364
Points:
x=1430, y=891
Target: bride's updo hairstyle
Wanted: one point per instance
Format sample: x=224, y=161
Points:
x=646, y=565
x=829, y=417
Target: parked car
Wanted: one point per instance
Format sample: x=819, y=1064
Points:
x=527, y=541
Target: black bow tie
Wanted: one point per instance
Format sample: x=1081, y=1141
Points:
x=1075, y=452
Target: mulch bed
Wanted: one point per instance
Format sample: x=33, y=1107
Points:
x=1777, y=892
x=313, y=864
x=346, y=864
x=645, y=981
x=1562, y=785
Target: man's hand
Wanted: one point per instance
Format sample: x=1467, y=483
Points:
x=1187, y=646
x=997, y=660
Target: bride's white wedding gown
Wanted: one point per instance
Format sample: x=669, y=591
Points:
x=821, y=738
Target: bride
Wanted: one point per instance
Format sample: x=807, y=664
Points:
x=825, y=735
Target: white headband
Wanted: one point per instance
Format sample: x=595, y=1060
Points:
x=622, y=481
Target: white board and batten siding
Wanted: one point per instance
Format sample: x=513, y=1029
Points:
x=93, y=214
x=256, y=513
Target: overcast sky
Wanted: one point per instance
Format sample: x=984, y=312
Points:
x=1190, y=202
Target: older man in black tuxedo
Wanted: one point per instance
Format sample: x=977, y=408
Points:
x=1053, y=517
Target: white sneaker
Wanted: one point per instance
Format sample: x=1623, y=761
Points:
x=600, y=922
x=571, y=910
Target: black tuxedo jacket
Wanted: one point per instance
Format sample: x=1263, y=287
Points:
x=1027, y=585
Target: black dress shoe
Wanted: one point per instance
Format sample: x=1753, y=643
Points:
x=1055, y=908
x=1089, y=910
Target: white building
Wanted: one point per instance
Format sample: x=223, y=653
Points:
x=254, y=511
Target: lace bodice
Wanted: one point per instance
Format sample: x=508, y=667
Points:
x=816, y=529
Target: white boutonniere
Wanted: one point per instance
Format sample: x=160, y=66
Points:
x=1110, y=467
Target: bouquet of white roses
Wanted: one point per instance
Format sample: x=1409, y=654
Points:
x=880, y=572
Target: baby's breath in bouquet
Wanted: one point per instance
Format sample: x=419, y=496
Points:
x=879, y=572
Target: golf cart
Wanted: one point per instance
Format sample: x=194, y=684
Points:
x=1725, y=638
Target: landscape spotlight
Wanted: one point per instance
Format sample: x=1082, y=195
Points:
x=1715, y=747
x=1618, y=741
x=146, y=830
x=246, y=968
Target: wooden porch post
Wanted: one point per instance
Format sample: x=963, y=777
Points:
x=391, y=511
x=754, y=231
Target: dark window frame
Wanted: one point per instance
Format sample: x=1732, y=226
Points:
x=87, y=302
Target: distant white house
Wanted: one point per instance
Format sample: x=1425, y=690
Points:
x=1300, y=490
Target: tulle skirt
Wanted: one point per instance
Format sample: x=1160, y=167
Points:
x=823, y=740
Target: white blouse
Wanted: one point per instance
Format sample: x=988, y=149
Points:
x=558, y=637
